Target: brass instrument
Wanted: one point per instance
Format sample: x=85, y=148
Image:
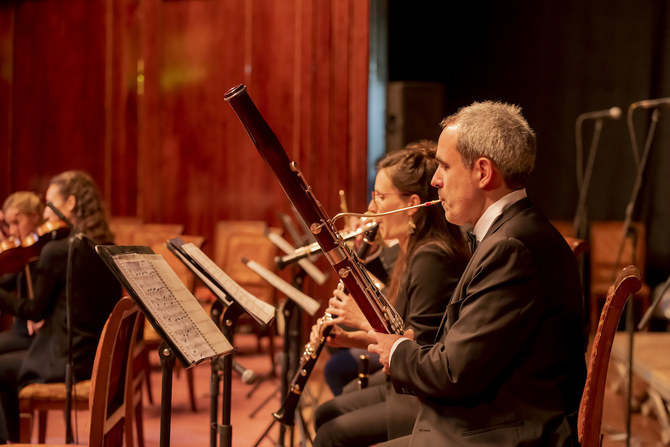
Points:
x=308, y=250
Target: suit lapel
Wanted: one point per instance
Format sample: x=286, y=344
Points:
x=506, y=215
x=451, y=313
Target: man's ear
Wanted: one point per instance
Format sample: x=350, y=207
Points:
x=487, y=172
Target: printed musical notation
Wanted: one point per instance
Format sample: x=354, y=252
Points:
x=255, y=307
x=173, y=307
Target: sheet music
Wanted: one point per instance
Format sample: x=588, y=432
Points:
x=310, y=305
x=173, y=307
x=256, y=307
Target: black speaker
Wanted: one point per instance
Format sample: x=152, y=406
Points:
x=414, y=111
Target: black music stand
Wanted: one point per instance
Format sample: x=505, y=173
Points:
x=163, y=299
x=236, y=301
x=291, y=361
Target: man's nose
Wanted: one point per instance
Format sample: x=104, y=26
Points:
x=435, y=181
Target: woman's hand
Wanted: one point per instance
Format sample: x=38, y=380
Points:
x=345, y=311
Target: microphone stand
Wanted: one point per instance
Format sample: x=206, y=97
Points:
x=69, y=366
x=647, y=316
x=584, y=176
x=641, y=165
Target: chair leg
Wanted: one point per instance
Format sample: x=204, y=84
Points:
x=139, y=422
x=25, y=426
x=41, y=426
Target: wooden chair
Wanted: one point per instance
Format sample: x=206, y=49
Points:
x=243, y=238
x=579, y=246
x=109, y=395
x=133, y=231
x=605, y=239
x=564, y=227
x=151, y=234
x=628, y=282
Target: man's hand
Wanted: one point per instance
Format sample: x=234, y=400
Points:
x=382, y=343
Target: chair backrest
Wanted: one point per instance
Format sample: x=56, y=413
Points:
x=111, y=374
x=591, y=407
x=133, y=231
x=578, y=246
x=237, y=239
x=605, y=239
x=564, y=227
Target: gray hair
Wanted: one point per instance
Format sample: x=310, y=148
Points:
x=499, y=132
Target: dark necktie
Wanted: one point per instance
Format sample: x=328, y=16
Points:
x=472, y=241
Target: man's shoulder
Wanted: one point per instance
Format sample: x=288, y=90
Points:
x=528, y=223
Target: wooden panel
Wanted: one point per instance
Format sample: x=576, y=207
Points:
x=168, y=148
x=6, y=67
x=195, y=157
x=122, y=52
x=58, y=116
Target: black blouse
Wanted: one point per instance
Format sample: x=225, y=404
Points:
x=94, y=293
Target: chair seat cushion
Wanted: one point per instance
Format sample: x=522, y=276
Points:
x=54, y=392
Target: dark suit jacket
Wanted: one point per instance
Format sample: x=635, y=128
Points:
x=508, y=364
x=429, y=281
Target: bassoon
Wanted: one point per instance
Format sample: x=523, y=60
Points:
x=376, y=309
x=310, y=355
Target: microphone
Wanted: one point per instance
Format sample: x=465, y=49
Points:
x=611, y=113
x=248, y=375
x=313, y=271
x=651, y=103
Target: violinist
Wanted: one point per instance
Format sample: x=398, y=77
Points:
x=93, y=292
x=22, y=213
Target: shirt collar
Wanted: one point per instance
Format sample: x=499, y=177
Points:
x=492, y=212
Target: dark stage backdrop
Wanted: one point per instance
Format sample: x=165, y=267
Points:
x=132, y=92
x=556, y=60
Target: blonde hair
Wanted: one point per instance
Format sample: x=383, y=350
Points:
x=25, y=202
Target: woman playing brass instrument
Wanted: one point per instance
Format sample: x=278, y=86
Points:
x=432, y=256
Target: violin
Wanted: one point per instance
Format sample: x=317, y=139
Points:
x=15, y=252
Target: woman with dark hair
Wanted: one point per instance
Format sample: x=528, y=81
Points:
x=93, y=292
x=433, y=254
